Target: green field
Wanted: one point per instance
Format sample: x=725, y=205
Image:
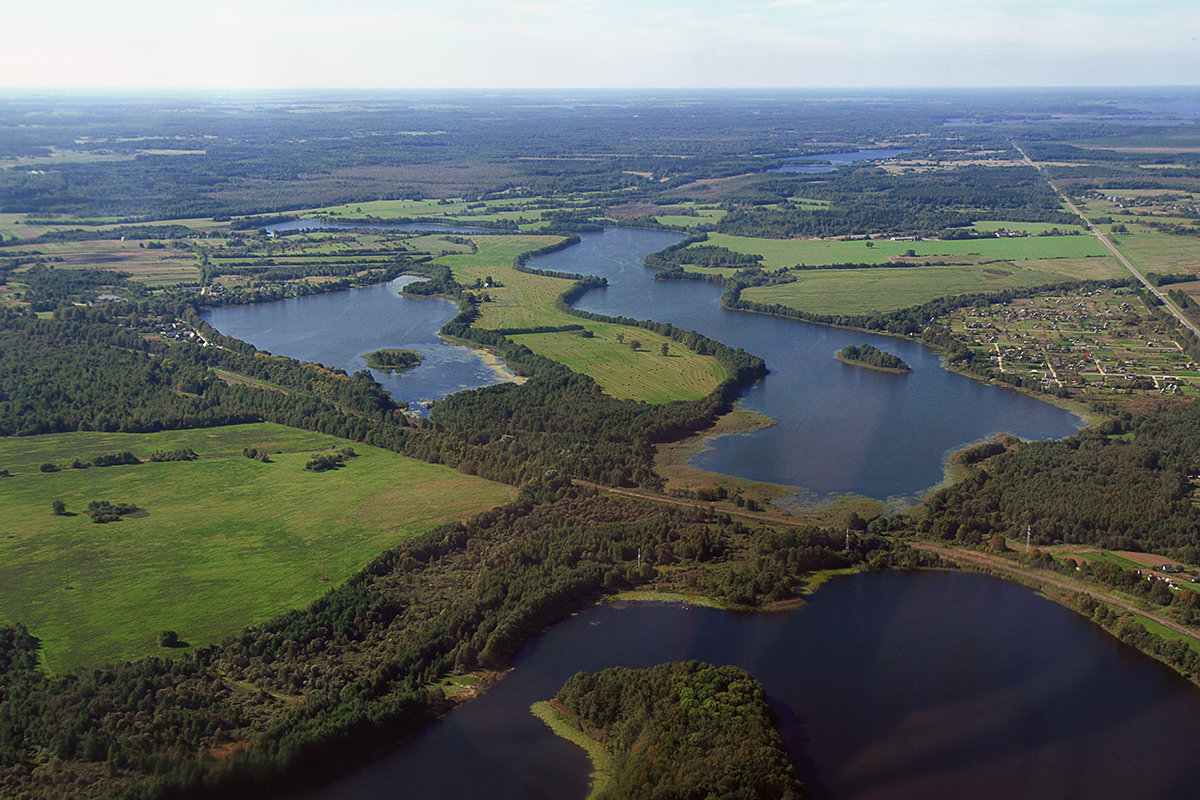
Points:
x=529, y=301
x=817, y=252
x=225, y=541
x=625, y=374
x=1151, y=251
x=862, y=291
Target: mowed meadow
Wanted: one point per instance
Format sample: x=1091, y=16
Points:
x=221, y=543
x=914, y=272
x=527, y=301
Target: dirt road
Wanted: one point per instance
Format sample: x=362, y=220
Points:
x=1066, y=584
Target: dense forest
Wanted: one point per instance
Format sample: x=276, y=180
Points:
x=1124, y=485
x=689, y=730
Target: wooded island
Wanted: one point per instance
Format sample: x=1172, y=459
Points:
x=871, y=357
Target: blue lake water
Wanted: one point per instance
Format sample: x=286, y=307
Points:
x=898, y=685
x=840, y=428
x=338, y=328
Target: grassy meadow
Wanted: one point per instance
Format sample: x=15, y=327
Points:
x=818, y=252
x=529, y=301
x=645, y=374
x=223, y=542
x=975, y=265
x=862, y=291
x=1151, y=251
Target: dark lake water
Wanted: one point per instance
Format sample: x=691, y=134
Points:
x=338, y=328
x=805, y=164
x=899, y=685
x=841, y=428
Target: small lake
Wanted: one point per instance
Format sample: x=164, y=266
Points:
x=898, y=685
x=338, y=328
x=828, y=162
x=841, y=428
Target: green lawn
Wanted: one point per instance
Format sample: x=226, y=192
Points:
x=225, y=542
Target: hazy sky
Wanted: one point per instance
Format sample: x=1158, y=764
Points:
x=598, y=43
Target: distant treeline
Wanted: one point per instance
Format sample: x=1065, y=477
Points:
x=866, y=200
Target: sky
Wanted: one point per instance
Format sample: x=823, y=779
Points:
x=265, y=44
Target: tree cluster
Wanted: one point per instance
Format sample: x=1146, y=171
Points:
x=687, y=730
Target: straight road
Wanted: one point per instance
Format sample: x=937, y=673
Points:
x=1110, y=247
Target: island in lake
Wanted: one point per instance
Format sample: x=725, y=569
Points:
x=686, y=729
x=393, y=359
x=866, y=355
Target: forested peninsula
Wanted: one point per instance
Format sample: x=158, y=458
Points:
x=688, y=730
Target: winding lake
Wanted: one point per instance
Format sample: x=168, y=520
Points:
x=841, y=428
x=899, y=685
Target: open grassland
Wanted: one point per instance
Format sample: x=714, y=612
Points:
x=528, y=212
x=225, y=541
x=529, y=301
x=522, y=300
x=869, y=290
x=818, y=252
x=642, y=374
x=693, y=216
x=153, y=266
x=1151, y=251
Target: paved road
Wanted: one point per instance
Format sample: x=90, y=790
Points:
x=1110, y=247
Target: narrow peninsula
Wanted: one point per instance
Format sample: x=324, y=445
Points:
x=392, y=359
x=871, y=357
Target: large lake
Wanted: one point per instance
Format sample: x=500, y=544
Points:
x=899, y=685
x=841, y=428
